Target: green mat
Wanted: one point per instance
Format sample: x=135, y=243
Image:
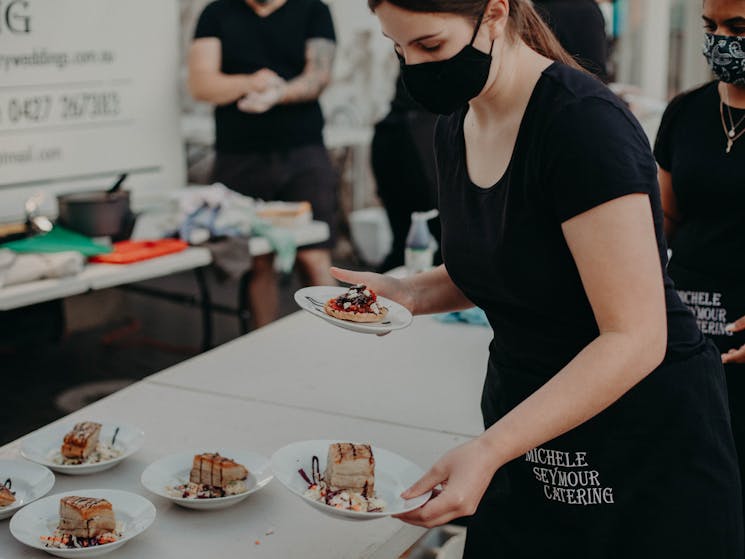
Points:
x=58, y=240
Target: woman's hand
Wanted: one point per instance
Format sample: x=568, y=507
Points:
x=735, y=355
x=386, y=286
x=464, y=474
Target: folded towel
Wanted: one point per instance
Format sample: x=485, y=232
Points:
x=25, y=268
x=282, y=242
x=213, y=212
x=474, y=315
x=58, y=239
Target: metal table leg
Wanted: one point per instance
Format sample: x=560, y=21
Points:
x=244, y=303
x=205, y=302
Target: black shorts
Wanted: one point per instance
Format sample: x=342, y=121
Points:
x=299, y=174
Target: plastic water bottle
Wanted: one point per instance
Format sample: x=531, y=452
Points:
x=420, y=245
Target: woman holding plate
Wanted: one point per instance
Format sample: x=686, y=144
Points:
x=607, y=429
x=701, y=153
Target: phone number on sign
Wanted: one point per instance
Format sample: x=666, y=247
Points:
x=69, y=107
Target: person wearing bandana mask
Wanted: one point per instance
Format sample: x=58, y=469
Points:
x=700, y=150
x=607, y=433
x=264, y=64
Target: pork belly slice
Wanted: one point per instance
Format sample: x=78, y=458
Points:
x=85, y=517
x=218, y=471
x=6, y=496
x=351, y=466
x=82, y=440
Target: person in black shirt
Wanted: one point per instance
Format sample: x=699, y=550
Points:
x=403, y=162
x=264, y=63
x=580, y=27
x=700, y=150
x=607, y=429
x=402, y=156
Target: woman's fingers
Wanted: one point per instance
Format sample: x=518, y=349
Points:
x=736, y=326
x=437, y=511
x=734, y=356
x=348, y=276
x=388, y=287
x=426, y=483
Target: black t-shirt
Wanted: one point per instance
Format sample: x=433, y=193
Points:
x=580, y=27
x=709, y=187
x=277, y=42
x=578, y=147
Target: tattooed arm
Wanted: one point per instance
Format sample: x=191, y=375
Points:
x=308, y=86
x=208, y=83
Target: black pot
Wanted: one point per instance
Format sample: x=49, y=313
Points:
x=97, y=213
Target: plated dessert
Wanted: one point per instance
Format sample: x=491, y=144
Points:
x=357, y=309
x=7, y=496
x=348, y=482
x=212, y=476
x=208, y=481
x=82, y=445
x=83, y=522
x=25, y=482
x=357, y=304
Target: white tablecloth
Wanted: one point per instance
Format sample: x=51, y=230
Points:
x=415, y=392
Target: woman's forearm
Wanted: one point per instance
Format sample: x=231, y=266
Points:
x=598, y=376
x=434, y=292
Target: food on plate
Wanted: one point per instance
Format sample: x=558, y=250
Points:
x=351, y=466
x=285, y=214
x=212, y=476
x=82, y=445
x=358, y=304
x=7, y=496
x=84, y=522
x=349, y=479
x=85, y=517
x=81, y=441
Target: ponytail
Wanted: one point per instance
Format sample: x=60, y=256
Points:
x=527, y=24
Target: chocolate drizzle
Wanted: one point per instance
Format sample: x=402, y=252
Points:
x=315, y=469
x=315, y=473
x=305, y=477
x=8, y=486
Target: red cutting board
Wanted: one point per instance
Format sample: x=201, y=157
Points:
x=129, y=252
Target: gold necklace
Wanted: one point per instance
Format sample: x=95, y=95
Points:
x=731, y=131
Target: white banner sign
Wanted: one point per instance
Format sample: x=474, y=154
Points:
x=88, y=90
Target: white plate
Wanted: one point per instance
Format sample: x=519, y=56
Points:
x=41, y=447
x=40, y=519
x=312, y=300
x=174, y=470
x=30, y=482
x=393, y=475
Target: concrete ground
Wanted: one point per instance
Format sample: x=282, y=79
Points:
x=118, y=338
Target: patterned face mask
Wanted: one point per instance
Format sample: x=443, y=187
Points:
x=726, y=56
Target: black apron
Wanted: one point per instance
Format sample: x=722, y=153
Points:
x=636, y=481
x=655, y=475
x=716, y=303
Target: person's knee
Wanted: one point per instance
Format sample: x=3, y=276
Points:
x=263, y=265
x=314, y=258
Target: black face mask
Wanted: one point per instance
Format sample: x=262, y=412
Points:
x=726, y=56
x=443, y=86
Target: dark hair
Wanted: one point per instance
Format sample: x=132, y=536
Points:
x=525, y=22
